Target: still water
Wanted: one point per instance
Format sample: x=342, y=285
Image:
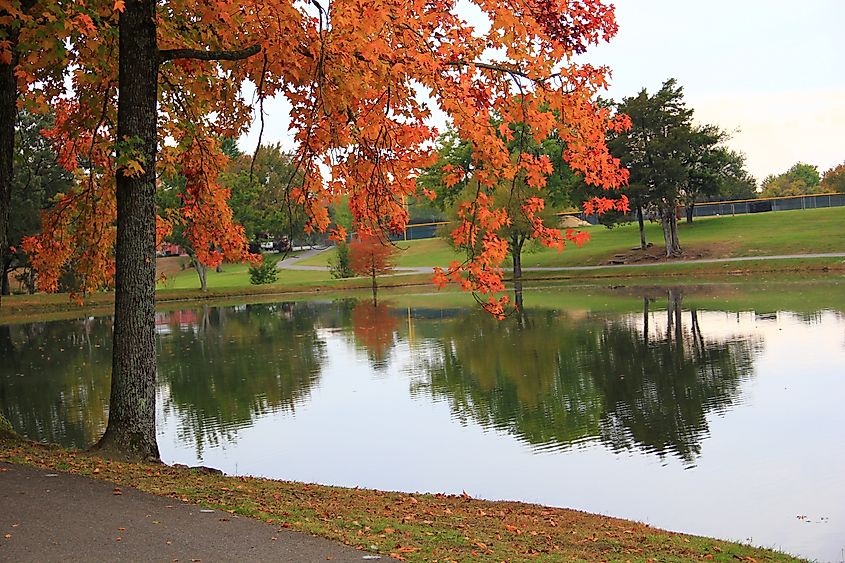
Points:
x=727, y=423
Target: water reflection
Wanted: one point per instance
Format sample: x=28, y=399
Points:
x=555, y=379
x=225, y=367
x=448, y=399
x=374, y=327
x=54, y=379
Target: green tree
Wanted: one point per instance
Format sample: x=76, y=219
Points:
x=671, y=161
x=715, y=171
x=261, y=194
x=37, y=178
x=737, y=182
x=800, y=179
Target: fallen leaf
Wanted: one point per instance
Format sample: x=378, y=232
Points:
x=117, y=491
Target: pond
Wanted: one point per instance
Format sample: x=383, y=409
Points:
x=703, y=410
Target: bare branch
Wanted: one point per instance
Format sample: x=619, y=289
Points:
x=490, y=66
x=197, y=54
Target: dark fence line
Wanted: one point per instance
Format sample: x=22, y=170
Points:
x=743, y=206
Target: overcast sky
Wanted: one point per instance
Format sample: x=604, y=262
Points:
x=771, y=71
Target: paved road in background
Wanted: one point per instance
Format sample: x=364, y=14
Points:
x=291, y=263
x=60, y=517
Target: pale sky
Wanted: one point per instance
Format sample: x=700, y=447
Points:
x=770, y=71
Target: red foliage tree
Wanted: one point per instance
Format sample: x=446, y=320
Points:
x=371, y=256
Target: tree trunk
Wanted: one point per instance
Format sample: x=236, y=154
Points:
x=517, y=243
x=202, y=273
x=131, y=427
x=8, y=116
x=670, y=231
x=643, y=243
x=690, y=211
x=4, y=283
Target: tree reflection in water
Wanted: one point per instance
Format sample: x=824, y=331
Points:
x=227, y=366
x=54, y=379
x=556, y=379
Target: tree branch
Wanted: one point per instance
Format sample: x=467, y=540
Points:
x=489, y=66
x=196, y=54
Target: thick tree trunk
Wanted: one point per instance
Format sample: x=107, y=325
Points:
x=643, y=243
x=4, y=283
x=670, y=231
x=8, y=116
x=131, y=427
x=690, y=211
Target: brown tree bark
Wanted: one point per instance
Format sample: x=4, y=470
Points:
x=517, y=242
x=131, y=426
x=8, y=117
x=670, y=231
x=641, y=223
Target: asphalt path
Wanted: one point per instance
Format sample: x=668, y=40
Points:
x=48, y=516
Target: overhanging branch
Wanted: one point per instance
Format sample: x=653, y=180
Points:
x=490, y=66
x=197, y=54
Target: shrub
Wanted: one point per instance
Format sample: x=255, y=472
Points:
x=264, y=273
x=340, y=265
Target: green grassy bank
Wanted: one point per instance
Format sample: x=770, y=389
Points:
x=764, y=234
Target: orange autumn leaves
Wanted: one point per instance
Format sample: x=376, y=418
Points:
x=362, y=80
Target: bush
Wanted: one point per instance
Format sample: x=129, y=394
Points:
x=339, y=265
x=264, y=273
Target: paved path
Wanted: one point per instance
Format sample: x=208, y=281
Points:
x=60, y=517
x=290, y=263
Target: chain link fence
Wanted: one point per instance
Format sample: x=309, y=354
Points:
x=743, y=206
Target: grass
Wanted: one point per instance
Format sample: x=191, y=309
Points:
x=237, y=275
x=762, y=234
x=412, y=527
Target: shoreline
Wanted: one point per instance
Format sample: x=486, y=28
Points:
x=411, y=526
x=27, y=308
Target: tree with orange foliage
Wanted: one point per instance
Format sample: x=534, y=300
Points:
x=146, y=73
x=371, y=256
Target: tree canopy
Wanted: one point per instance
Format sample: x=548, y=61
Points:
x=672, y=160
x=144, y=88
x=833, y=180
x=800, y=179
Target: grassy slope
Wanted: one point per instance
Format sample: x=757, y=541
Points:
x=414, y=527
x=783, y=232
